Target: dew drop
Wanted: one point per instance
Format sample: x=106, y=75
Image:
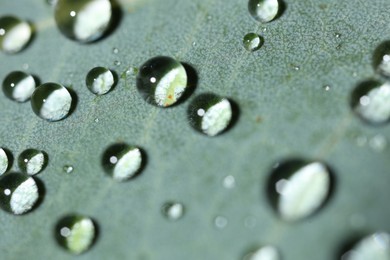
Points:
x=83, y=20
x=96, y=120
x=100, y=80
x=297, y=189
x=375, y=246
x=173, y=210
x=378, y=143
x=210, y=114
x=68, y=169
x=162, y=81
x=18, y=193
x=51, y=101
x=15, y=34
x=122, y=161
x=229, y=182
x=263, y=10
x=370, y=101
x=19, y=86
x=4, y=161
x=220, y=222
x=381, y=59
x=117, y=63
x=252, y=42
x=75, y=233
x=327, y=88
x=263, y=253
x=115, y=50
x=32, y=161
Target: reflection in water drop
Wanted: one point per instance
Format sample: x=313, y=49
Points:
x=263, y=10
x=252, y=42
x=32, y=161
x=100, y=80
x=173, y=210
x=381, y=59
x=263, y=253
x=19, y=86
x=4, y=161
x=375, y=246
x=15, y=34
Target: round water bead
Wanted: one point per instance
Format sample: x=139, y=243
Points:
x=252, y=42
x=18, y=193
x=122, y=161
x=297, y=188
x=100, y=80
x=210, y=114
x=375, y=246
x=371, y=102
x=381, y=59
x=264, y=10
x=15, y=34
x=32, y=161
x=19, y=86
x=263, y=253
x=83, y=20
x=173, y=210
x=75, y=233
x=4, y=161
x=162, y=81
x=51, y=101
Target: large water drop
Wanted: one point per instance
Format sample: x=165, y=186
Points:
x=19, y=86
x=264, y=10
x=15, y=34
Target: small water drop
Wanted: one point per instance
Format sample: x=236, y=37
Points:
x=252, y=42
x=68, y=169
x=375, y=246
x=162, y=81
x=117, y=63
x=115, y=50
x=100, y=80
x=83, y=20
x=173, y=210
x=4, y=161
x=75, y=233
x=378, y=143
x=220, y=222
x=326, y=87
x=122, y=162
x=96, y=120
x=337, y=35
x=15, y=34
x=263, y=253
x=263, y=10
x=229, y=182
x=32, y=161
x=194, y=44
x=298, y=189
x=18, y=193
x=19, y=86
x=381, y=59
x=51, y=101
x=210, y=114
x=25, y=66
x=296, y=68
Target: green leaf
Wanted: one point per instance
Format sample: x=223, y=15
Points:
x=284, y=113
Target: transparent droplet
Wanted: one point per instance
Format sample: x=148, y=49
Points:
x=327, y=87
x=100, y=80
x=162, y=81
x=381, y=59
x=122, y=161
x=263, y=253
x=115, y=50
x=68, y=168
x=229, y=182
x=371, y=102
x=19, y=86
x=18, y=193
x=75, y=233
x=263, y=10
x=32, y=161
x=337, y=35
x=298, y=189
x=15, y=34
x=4, y=161
x=173, y=210
x=375, y=246
x=220, y=222
x=96, y=120
x=51, y=101
x=210, y=114
x=252, y=42
x=117, y=63
x=83, y=20
x=378, y=143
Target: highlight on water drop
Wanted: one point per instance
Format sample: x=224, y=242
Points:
x=19, y=86
x=32, y=161
x=100, y=80
x=264, y=10
x=15, y=34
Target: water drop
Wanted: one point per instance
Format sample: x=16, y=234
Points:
x=326, y=88
x=68, y=169
x=117, y=63
x=51, y=101
x=162, y=81
x=96, y=120
x=19, y=86
x=381, y=59
x=378, y=143
x=220, y=222
x=229, y=182
x=370, y=101
x=115, y=50
x=15, y=34
x=18, y=193
x=263, y=10
x=25, y=66
x=263, y=253
x=375, y=246
x=122, y=161
x=83, y=20
x=75, y=233
x=100, y=80
x=297, y=189
x=4, y=161
x=32, y=161
x=173, y=210
x=210, y=114
x=337, y=35
x=252, y=42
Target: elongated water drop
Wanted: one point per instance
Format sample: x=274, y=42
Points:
x=371, y=102
x=122, y=161
x=381, y=59
x=32, y=161
x=4, y=161
x=100, y=80
x=18, y=193
x=375, y=246
x=252, y=42
x=15, y=34
x=162, y=81
x=83, y=20
x=297, y=189
x=173, y=210
x=19, y=86
x=51, y=101
x=210, y=114
x=75, y=233
x=263, y=253
x=263, y=10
